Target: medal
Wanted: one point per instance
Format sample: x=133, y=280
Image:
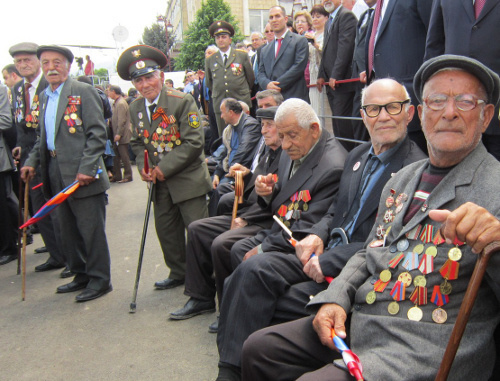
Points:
x=393, y=308
x=414, y=233
x=420, y=281
x=393, y=263
x=445, y=288
x=415, y=314
x=389, y=216
x=385, y=276
x=356, y=166
x=371, y=297
x=449, y=270
x=380, y=286
x=439, y=315
x=377, y=243
x=380, y=232
x=403, y=244
x=398, y=292
x=402, y=197
x=406, y=278
x=455, y=254
x=411, y=261
x=72, y=130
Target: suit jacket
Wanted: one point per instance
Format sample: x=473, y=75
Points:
x=338, y=46
x=80, y=147
x=453, y=29
x=319, y=174
x=120, y=120
x=249, y=133
x=288, y=68
x=234, y=80
x=475, y=179
x=184, y=167
x=359, y=56
x=6, y=127
x=26, y=134
x=340, y=212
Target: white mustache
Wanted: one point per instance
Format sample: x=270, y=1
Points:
x=50, y=72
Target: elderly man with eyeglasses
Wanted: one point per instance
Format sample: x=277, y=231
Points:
x=405, y=288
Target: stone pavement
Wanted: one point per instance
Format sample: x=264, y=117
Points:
x=51, y=337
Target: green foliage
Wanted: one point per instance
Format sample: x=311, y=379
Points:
x=156, y=37
x=103, y=72
x=197, y=38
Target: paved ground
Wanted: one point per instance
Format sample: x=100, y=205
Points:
x=50, y=337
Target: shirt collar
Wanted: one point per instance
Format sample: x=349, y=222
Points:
x=57, y=91
x=283, y=36
x=334, y=13
x=226, y=53
x=386, y=156
x=36, y=81
x=148, y=103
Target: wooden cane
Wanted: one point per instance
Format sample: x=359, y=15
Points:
x=465, y=310
x=238, y=194
x=19, y=217
x=23, y=252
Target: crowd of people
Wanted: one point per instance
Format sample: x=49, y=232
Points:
x=368, y=227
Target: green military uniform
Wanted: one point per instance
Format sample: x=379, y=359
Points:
x=174, y=141
x=232, y=80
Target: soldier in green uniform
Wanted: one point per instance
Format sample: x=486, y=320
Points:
x=166, y=123
x=228, y=73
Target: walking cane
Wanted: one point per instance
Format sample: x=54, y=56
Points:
x=238, y=194
x=465, y=310
x=143, y=239
x=19, y=217
x=23, y=253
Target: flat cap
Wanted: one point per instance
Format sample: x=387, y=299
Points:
x=23, y=47
x=140, y=60
x=55, y=48
x=267, y=113
x=221, y=27
x=486, y=76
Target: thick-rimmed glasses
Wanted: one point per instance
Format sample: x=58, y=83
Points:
x=392, y=108
x=464, y=102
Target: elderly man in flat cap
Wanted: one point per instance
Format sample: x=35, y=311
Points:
x=165, y=122
x=70, y=147
x=26, y=108
x=405, y=290
x=228, y=73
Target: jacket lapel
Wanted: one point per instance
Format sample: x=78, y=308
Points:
x=469, y=9
x=63, y=103
x=490, y=4
x=386, y=18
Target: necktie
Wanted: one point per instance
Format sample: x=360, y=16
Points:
x=371, y=45
x=27, y=86
x=279, y=40
x=225, y=59
x=151, y=111
x=478, y=7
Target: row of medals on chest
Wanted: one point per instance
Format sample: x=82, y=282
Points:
x=32, y=116
x=292, y=211
x=72, y=118
x=165, y=137
x=429, y=236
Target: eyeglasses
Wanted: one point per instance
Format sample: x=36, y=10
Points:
x=392, y=108
x=268, y=31
x=464, y=102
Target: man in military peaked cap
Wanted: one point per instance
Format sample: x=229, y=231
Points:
x=166, y=123
x=228, y=73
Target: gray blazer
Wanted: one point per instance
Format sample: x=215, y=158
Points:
x=6, y=127
x=416, y=348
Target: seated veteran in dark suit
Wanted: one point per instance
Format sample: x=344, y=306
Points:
x=276, y=285
x=70, y=148
x=404, y=291
x=166, y=123
x=207, y=233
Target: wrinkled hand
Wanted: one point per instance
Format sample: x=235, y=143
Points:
x=251, y=253
x=362, y=77
x=215, y=181
x=312, y=244
x=332, y=83
x=117, y=138
x=27, y=173
x=237, y=167
x=146, y=176
x=84, y=180
x=157, y=175
x=264, y=185
x=16, y=153
x=319, y=84
x=313, y=270
x=468, y=223
x=239, y=223
x=330, y=316
x=273, y=85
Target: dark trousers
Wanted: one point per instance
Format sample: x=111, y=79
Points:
x=360, y=132
x=82, y=227
x=121, y=154
x=8, y=215
x=289, y=351
x=341, y=105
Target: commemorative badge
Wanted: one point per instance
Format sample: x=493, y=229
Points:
x=193, y=120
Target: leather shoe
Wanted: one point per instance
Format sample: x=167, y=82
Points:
x=168, y=283
x=90, y=294
x=125, y=181
x=66, y=273
x=192, y=308
x=214, y=327
x=71, y=287
x=4, y=259
x=41, y=250
x=46, y=267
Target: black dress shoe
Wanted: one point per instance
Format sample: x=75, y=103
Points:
x=66, y=273
x=229, y=373
x=90, y=294
x=168, y=283
x=71, y=287
x=4, y=259
x=46, y=267
x=214, y=327
x=192, y=308
x=41, y=250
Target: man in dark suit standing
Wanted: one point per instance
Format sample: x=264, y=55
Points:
x=70, y=147
x=338, y=47
x=276, y=285
x=26, y=108
x=283, y=62
x=396, y=45
x=466, y=27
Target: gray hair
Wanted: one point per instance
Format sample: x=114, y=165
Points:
x=300, y=109
x=275, y=94
x=257, y=33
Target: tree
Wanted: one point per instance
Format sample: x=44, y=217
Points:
x=197, y=38
x=156, y=37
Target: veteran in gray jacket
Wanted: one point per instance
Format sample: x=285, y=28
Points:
x=405, y=287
